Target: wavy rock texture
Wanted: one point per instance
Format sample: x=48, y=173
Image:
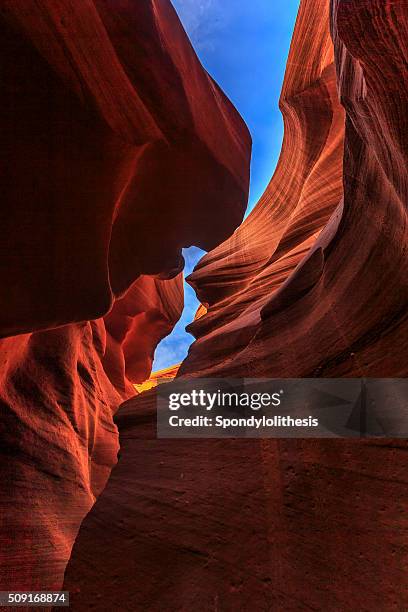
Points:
x=136, y=324
x=117, y=150
x=157, y=378
x=244, y=525
x=311, y=284
x=59, y=390
x=237, y=279
x=308, y=286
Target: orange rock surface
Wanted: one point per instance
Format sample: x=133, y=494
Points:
x=121, y=150
x=118, y=150
x=157, y=378
x=102, y=175
x=312, y=284
x=250, y=524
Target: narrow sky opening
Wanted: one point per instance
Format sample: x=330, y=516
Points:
x=244, y=46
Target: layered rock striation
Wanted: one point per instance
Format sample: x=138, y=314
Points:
x=118, y=150
x=312, y=284
x=121, y=150
x=244, y=524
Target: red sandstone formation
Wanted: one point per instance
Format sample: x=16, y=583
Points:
x=104, y=110
x=134, y=327
x=118, y=150
x=158, y=378
x=311, y=284
x=58, y=445
x=285, y=525
x=59, y=391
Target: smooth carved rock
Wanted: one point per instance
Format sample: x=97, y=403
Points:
x=311, y=284
x=352, y=320
x=118, y=150
x=244, y=524
x=136, y=324
x=59, y=390
x=240, y=277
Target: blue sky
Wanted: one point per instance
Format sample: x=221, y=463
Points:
x=244, y=46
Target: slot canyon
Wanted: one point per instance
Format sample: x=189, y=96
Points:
x=118, y=151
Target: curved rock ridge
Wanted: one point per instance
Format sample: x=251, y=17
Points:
x=237, y=279
x=313, y=284
x=249, y=524
x=134, y=327
x=307, y=184
x=58, y=445
x=59, y=390
x=285, y=524
x=157, y=378
x=118, y=150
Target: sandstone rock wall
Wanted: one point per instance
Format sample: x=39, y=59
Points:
x=312, y=284
x=117, y=151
